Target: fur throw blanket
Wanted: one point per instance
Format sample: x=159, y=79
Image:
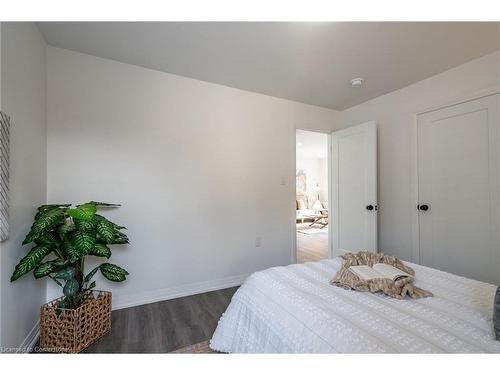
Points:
x=397, y=289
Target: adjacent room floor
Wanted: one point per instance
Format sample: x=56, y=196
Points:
x=312, y=243
x=165, y=326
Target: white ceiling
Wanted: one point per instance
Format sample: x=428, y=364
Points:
x=311, y=145
x=307, y=62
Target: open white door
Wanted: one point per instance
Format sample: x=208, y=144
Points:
x=353, y=212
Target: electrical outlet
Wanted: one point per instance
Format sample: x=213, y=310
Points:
x=258, y=241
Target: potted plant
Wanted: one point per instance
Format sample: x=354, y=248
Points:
x=63, y=236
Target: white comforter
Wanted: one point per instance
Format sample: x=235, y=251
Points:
x=294, y=309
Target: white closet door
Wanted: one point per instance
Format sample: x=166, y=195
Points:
x=353, y=213
x=458, y=188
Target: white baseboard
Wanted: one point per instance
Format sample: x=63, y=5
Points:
x=30, y=340
x=142, y=298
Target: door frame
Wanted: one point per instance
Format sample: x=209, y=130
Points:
x=416, y=256
x=294, y=190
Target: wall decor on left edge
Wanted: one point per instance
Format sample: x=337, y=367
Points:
x=4, y=175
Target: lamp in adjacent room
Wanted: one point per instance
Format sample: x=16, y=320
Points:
x=317, y=190
x=317, y=205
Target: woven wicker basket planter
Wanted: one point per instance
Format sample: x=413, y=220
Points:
x=74, y=330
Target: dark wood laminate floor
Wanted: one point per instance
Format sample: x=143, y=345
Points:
x=164, y=326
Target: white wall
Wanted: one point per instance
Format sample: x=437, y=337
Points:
x=23, y=98
x=198, y=168
x=395, y=114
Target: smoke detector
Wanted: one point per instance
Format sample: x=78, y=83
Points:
x=357, y=82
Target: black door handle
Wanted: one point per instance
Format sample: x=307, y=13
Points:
x=422, y=207
x=369, y=207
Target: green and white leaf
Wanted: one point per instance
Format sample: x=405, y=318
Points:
x=70, y=252
x=102, y=204
x=120, y=239
x=48, y=207
x=85, y=225
x=30, y=261
x=98, y=217
x=100, y=250
x=84, y=212
x=45, y=222
x=83, y=242
x=45, y=269
x=112, y=272
x=106, y=231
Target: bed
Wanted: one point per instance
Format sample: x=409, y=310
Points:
x=294, y=309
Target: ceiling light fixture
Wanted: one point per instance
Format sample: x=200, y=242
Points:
x=299, y=143
x=357, y=82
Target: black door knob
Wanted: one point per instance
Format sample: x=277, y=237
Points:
x=369, y=207
x=423, y=207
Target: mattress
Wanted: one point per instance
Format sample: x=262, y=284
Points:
x=294, y=309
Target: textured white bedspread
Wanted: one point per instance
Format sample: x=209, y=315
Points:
x=294, y=309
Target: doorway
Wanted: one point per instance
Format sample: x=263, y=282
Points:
x=336, y=205
x=312, y=196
